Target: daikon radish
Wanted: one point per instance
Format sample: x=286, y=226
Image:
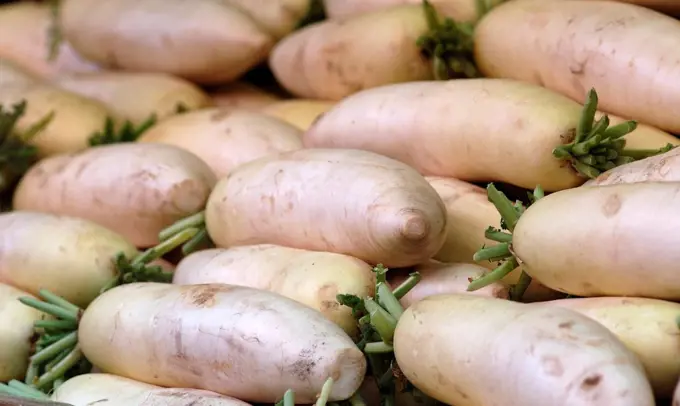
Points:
x=299, y=112
x=459, y=10
x=660, y=168
x=241, y=95
x=279, y=17
x=13, y=74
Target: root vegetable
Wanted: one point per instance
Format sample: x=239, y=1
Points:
x=311, y=278
x=134, y=189
x=67, y=255
x=12, y=74
x=660, y=168
x=644, y=136
x=468, y=350
x=136, y=96
x=648, y=327
x=75, y=117
x=330, y=60
x=345, y=201
x=226, y=139
x=436, y=135
x=241, y=342
x=205, y=42
x=298, y=112
x=112, y=390
x=278, y=18
x=609, y=44
x=241, y=95
x=16, y=332
x=24, y=39
x=459, y=10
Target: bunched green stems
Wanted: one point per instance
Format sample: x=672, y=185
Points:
x=200, y=239
x=598, y=147
x=502, y=252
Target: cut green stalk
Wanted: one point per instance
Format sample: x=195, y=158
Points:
x=289, y=398
x=51, y=309
x=195, y=221
x=493, y=253
x=13, y=391
x=388, y=301
x=517, y=291
x=126, y=133
x=381, y=320
x=357, y=400
x=67, y=342
x=325, y=392
x=406, y=286
x=494, y=276
x=637, y=154
x=31, y=373
x=58, y=371
x=26, y=388
x=378, y=348
x=585, y=123
x=50, y=297
x=509, y=213
x=494, y=234
x=55, y=324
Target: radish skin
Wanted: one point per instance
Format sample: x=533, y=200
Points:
x=330, y=60
x=468, y=350
x=205, y=42
x=133, y=189
x=241, y=95
x=112, y=390
x=458, y=10
x=24, y=28
x=299, y=112
x=16, y=332
x=660, y=168
x=438, y=137
x=309, y=277
x=44, y=251
x=278, y=18
x=344, y=201
x=241, y=342
x=225, y=139
x=12, y=74
x=136, y=96
x=648, y=327
x=603, y=241
x=609, y=44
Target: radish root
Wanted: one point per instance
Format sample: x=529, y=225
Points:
x=597, y=147
x=510, y=213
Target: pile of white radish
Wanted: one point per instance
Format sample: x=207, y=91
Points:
x=339, y=203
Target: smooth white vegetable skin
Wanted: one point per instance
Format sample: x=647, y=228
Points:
x=16, y=331
x=112, y=390
x=242, y=342
x=309, y=277
x=467, y=350
x=68, y=256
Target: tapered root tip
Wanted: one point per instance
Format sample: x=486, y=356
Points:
x=416, y=227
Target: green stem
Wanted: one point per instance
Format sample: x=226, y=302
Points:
x=406, y=286
x=194, y=221
x=55, y=324
x=494, y=276
x=493, y=253
x=504, y=206
x=387, y=299
x=619, y=130
x=51, y=309
x=31, y=373
x=497, y=235
x=381, y=320
x=289, y=398
x=378, y=348
x=325, y=392
x=517, y=291
x=60, y=368
x=51, y=298
x=165, y=246
x=585, y=123
x=27, y=389
x=646, y=153
x=70, y=340
x=356, y=400
x=8, y=390
x=54, y=361
x=200, y=238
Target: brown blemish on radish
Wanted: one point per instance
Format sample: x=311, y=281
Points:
x=204, y=296
x=552, y=365
x=591, y=382
x=612, y=205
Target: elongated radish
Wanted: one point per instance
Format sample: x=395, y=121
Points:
x=136, y=96
x=205, y=42
x=609, y=44
x=332, y=59
x=25, y=29
x=241, y=95
x=134, y=189
x=648, y=327
x=598, y=241
x=67, y=255
x=439, y=137
x=469, y=350
x=112, y=390
x=13, y=74
x=459, y=10
x=298, y=112
x=75, y=118
x=660, y=168
x=16, y=332
x=278, y=18
x=345, y=201
x=312, y=278
x=242, y=342
x=225, y=139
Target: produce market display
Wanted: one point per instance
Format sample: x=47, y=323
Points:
x=339, y=202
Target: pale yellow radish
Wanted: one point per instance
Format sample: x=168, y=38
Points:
x=246, y=343
x=69, y=256
x=136, y=96
x=134, y=189
x=309, y=277
x=225, y=139
x=468, y=350
x=278, y=17
x=330, y=59
x=206, y=42
x=346, y=201
x=648, y=327
x=74, y=121
x=241, y=95
x=604, y=241
x=24, y=39
x=444, y=129
x=626, y=52
x=459, y=10
x=112, y=390
x=13, y=74
x=16, y=332
x=298, y=112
